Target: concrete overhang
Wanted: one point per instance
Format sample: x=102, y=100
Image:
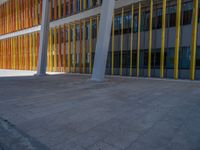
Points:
x=2, y=1
x=80, y=16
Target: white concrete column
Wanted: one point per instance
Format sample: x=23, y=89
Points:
x=42, y=57
x=103, y=40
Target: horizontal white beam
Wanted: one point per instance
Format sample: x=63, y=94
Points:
x=21, y=32
x=122, y=3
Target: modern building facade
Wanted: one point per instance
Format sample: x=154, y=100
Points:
x=149, y=38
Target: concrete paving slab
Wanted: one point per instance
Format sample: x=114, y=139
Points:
x=14, y=139
x=70, y=112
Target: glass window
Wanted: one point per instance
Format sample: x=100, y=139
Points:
x=117, y=59
x=109, y=60
x=157, y=59
x=134, y=56
x=52, y=13
x=198, y=58
x=77, y=32
x=172, y=12
x=72, y=8
x=159, y=18
x=145, y=62
x=154, y=20
x=94, y=29
x=170, y=58
x=117, y=24
x=184, y=58
x=71, y=34
x=146, y=22
x=88, y=4
x=127, y=22
x=143, y=21
x=199, y=13
x=77, y=6
x=66, y=35
x=126, y=59
x=135, y=26
x=95, y=3
x=187, y=13
x=87, y=31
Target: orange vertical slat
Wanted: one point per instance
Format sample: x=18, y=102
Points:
x=50, y=10
x=23, y=51
x=64, y=9
x=9, y=54
x=74, y=7
x=28, y=51
x=55, y=9
x=36, y=12
x=37, y=49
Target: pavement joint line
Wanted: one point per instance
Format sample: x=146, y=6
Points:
x=15, y=139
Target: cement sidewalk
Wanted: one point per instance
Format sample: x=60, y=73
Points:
x=69, y=112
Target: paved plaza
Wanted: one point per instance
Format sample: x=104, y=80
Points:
x=70, y=112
